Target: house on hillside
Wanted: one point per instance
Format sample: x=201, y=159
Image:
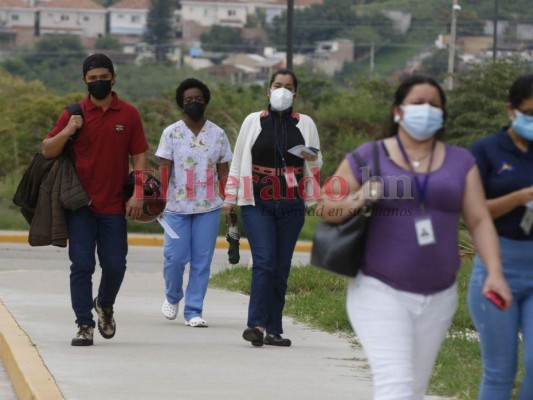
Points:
x=466, y=45
x=207, y=13
x=198, y=16
x=129, y=17
x=16, y=14
x=234, y=13
x=86, y=18
x=331, y=55
x=501, y=28
x=232, y=74
x=524, y=32
x=245, y=60
x=17, y=23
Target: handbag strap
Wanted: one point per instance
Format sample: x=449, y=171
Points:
x=375, y=160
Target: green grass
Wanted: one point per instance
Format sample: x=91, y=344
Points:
x=317, y=298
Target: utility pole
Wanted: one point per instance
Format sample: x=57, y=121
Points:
x=372, y=58
x=495, y=32
x=451, y=54
x=290, y=17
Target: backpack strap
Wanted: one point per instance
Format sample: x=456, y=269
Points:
x=75, y=109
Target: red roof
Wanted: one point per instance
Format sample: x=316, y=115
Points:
x=69, y=4
x=133, y=4
x=14, y=3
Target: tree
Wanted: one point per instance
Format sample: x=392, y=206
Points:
x=478, y=106
x=107, y=42
x=257, y=20
x=223, y=39
x=436, y=65
x=56, y=60
x=160, y=29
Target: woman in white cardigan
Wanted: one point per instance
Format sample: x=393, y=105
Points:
x=273, y=177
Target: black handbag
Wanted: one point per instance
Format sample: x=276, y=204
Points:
x=339, y=248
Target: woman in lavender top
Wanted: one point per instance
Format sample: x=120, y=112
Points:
x=402, y=302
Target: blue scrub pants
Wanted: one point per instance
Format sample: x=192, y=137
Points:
x=196, y=245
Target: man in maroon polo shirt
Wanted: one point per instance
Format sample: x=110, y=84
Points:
x=110, y=133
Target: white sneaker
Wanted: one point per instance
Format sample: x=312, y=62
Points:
x=170, y=311
x=197, y=322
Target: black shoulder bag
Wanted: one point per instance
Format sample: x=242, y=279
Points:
x=339, y=248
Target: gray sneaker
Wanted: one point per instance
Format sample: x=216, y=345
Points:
x=106, y=323
x=84, y=337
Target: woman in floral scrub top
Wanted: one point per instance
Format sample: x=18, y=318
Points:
x=194, y=154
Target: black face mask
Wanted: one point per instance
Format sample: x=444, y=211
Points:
x=99, y=89
x=194, y=110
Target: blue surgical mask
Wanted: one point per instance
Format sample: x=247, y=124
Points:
x=421, y=121
x=523, y=125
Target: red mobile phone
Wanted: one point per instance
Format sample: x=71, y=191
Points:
x=496, y=299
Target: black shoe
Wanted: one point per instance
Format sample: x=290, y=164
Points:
x=253, y=335
x=106, y=323
x=84, y=337
x=277, y=340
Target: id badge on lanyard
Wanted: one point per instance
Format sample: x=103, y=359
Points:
x=425, y=235
x=424, y=231
x=290, y=177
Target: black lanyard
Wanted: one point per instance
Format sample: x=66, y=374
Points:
x=279, y=146
x=421, y=187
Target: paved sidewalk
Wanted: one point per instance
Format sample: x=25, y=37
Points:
x=153, y=358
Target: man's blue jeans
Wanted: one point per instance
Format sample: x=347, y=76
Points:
x=498, y=330
x=198, y=236
x=106, y=234
x=272, y=229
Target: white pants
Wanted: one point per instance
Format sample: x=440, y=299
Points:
x=401, y=334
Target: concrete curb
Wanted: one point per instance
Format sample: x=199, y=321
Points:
x=26, y=369
x=136, y=239
x=29, y=376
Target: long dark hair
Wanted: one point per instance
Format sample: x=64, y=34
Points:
x=401, y=93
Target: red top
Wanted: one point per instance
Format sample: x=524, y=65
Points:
x=102, y=150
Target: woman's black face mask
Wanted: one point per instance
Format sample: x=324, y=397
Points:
x=194, y=110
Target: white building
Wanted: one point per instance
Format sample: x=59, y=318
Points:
x=129, y=17
x=234, y=13
x=331, y=55
x=16, y=14
x=524, y=32
x=212, y=12
x=81, y=17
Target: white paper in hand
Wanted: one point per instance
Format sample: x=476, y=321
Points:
x=168, y=230
x=297, y=150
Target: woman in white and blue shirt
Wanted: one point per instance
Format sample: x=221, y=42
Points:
x=195, y=153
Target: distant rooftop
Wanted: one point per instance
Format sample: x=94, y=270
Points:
x=132, y=4
x=69, y=4
x=14, y=3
